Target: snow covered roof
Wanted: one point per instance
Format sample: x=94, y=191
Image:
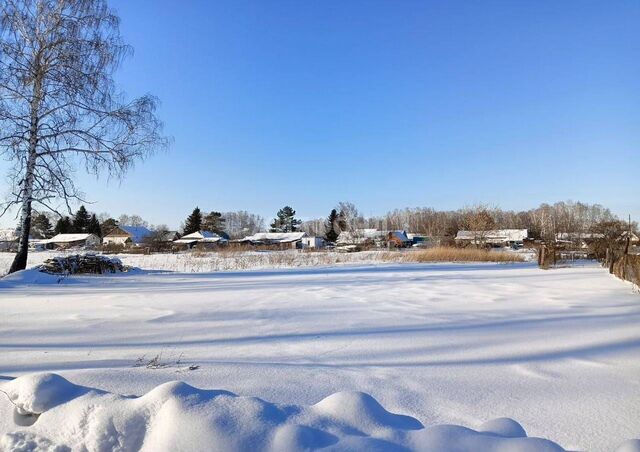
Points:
x=363, y=235
x=278, y=237
x=578, y=236
x=400, y=235
x=631, y=235
x=200, y=236
x=169, y=236
x=69, y=238
x=136, y=233
x=507, y=235
x=8, y=235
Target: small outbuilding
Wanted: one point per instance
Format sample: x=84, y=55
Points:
x=8, y=239
x=497, y=237
x=279, y=239
x=65, y=241
x=201, y=238
x=312, y=242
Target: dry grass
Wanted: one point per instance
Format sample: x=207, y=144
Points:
x=451, y=254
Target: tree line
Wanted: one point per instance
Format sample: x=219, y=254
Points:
x=542, y=222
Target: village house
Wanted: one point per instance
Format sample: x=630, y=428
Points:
x=495, y=238
x=66, y=241
x=277, y=239
x=313, y=242
x=633, y=238
x=360, y=237
x=398, y=239
x=168, y=236
x=201, y=239
x=126, y=236
x=8, y=240
x=421, y=240
x=374, y=237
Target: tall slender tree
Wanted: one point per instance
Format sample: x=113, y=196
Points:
x=81, y=220
x=285, y=221
x=194, y=222
x=63, y=226
x=42, y=226
x=213, y=222
x=332, y=229
x=59, y=106
x=93, y=226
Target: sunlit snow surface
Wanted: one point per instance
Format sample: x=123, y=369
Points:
x=329, y=352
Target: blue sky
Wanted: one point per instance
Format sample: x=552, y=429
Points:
x=383, y=103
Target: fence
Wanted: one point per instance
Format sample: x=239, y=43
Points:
x=625, y=266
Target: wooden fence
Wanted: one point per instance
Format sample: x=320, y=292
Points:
x=625, y=266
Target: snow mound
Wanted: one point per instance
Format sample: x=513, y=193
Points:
x=176, y=416
x=29, y=276
x=503, y=426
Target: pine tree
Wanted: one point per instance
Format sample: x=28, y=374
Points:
x=194, y=222
x=41, y=227
x=81, y=220
x=63, y=226
x=93, y=226
x=331, y=226
x=213, y=222
x=285, y=221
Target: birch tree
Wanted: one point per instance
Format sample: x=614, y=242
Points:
x=59, y=107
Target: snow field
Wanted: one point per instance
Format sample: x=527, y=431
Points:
x=462, y=344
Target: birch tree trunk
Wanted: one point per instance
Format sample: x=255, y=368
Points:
x=20, y=259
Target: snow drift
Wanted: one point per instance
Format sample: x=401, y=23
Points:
x=51, y=413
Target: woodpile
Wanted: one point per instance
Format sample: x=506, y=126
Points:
x=82, y=263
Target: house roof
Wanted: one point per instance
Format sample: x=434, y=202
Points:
x=578, y=235
x=136, y=233
x=8, y=235
x=400, y=235
x=68, y=238
x=362, y=235
x=169, y=236
x=200, y=236
x=507, y=235
x=275, y=237
x=631, y=235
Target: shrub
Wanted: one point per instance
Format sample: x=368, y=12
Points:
x=452, y=254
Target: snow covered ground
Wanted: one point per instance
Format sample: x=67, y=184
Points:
x=217, y=261
x=239, y=260
x=331, y=352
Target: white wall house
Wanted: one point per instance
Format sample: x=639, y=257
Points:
x=312, y=242
x=497, y=237
x=126, y=236
x=72, y=241
x=284, y=239
x=200, y=237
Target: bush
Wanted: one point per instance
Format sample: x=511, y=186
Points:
x=452, y=254
x=82, y=264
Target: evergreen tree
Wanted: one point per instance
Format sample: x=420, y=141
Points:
x=81, y=220
x=63, y=226
x=332, y=226
x=285, y=221
x=194, y=222
x=213, y=222
x=41, y=227
x=93, y=227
